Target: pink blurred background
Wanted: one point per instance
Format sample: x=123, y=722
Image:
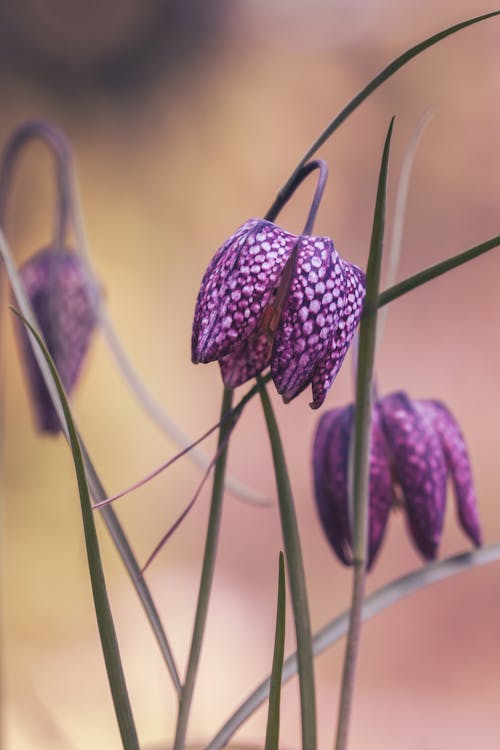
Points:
x=185, y=119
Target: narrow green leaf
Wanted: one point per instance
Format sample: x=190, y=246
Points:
x=207, y=574
x=366, y=358
x=273, y=715
x=296, y=575
x=110, y=518
x=379, y=79
x=422, y=277
x=376, y=602
x=104, y=617
x=361, y=447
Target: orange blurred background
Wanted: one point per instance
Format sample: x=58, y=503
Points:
x=185, y=119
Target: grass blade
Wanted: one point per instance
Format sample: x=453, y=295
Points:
x=379, y=79
x=273, y=715
x=296, y=576
x=377, y=602
x=428, y=274
x=104, y=617
x=207, y=574
x=361, y=447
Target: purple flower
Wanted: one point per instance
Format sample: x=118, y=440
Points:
x=271, y=297
x=64, y=302
x=415, y=445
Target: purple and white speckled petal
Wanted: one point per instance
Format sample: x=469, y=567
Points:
x=330, y=459
x=64, y=302
x=310, y=315
x=419, y=468
x=327, y=369
x=380, y=489
x=457, y=459
x=330, y=466
x=249, y=360
x=237, y=286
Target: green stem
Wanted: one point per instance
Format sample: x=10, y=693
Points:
x=273, y=716
x=386, y=73
x=296, y=577
x=374, y=603
x=361, y=456
x=207, y=575
x=422, y=277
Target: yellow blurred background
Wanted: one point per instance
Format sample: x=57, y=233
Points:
x=185, y=119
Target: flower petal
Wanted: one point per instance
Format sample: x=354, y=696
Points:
x=330, y=467
x=419, y=467
x=330, y=459
x=237, y=286
x=64, y=302
x=457, y=459
x=327, y=369
x=311, y=315
x=249, y=360
x=380, y=489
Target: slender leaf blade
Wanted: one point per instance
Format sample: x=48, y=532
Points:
x=273, y=715
x=296, y=575
x=365, y=92
x=104, y=617
x=432, y=272
x=374, y=604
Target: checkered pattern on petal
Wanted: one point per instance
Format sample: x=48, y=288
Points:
x=311, y=315
x=419, y=467
x=457, y=459
x=246, y=362
x=330, y=460
x=330, y=466
x=64, y=302
x=236, y=288
x=380, y=488
x=349, y=314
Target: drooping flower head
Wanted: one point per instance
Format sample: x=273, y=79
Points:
x=415, y=445
x=64, y=302
x=270, y=297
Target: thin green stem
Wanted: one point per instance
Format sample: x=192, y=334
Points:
x=386, y=73
x=273, y=716
x=296, y=576
x=422, y=277
x=207, y=575
x=361, y=455
x=374, y=603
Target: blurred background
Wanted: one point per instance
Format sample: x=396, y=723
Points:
x=185, y=118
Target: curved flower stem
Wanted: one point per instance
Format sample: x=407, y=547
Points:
x=207, y=575
x=361, y=443
x=60, y=149
x=299, y=176
x=387, y=72
x=374, y=603
x=296, y=577
x=428, y=274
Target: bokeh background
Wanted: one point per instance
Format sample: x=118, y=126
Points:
x=185, y=118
